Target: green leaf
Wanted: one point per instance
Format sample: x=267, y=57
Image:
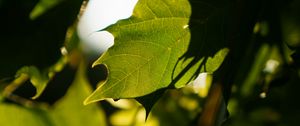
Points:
x=14, y=115
x=39, y=79
x=38, y=41
x=68, y=111
x=150, y=52
x=148, y=45
x=203, y=64
x=42, y=6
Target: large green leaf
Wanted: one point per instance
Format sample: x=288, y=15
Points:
x=147, y=47
x=150, y=52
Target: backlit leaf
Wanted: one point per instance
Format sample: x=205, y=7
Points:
x=150, y=52
x=147, y=47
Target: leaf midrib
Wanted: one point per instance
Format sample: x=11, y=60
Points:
x=150, y=20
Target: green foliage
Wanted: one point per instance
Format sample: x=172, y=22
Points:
x=39, y=79
x=21, y=115
x=42, y=6
x=148, y=44
x=71, y=104
x=151, y=44
x=68, y=111
x=36, y=42
x=249, y=49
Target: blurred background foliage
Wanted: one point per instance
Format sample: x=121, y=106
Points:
x=41, y=34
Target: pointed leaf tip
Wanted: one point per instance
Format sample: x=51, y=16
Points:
x=91, y=99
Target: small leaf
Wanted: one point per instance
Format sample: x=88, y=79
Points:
x=43, y=6
x=39, y=79
x=68, y=111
